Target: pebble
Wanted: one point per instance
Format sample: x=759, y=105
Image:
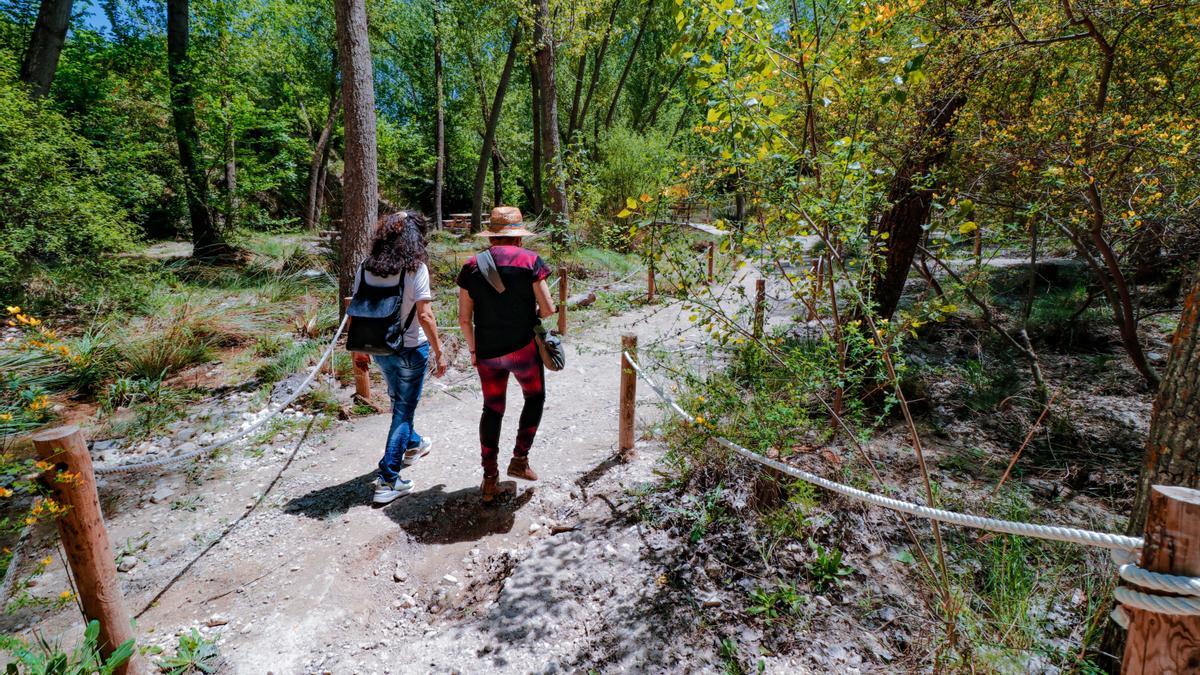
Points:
x=127, y=563
x=534, y=527
x=399, y=575
x=450, y=579
x=216, y=620
x=406, y=601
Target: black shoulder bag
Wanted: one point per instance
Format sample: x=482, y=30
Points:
x=550, y=347
x=375, y=326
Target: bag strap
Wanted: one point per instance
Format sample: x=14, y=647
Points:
x=487, y=265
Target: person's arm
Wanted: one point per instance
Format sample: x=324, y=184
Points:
x=466, y=320
x=545, y=303
x=429, y=324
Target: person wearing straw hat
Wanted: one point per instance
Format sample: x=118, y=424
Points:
x=502, y=296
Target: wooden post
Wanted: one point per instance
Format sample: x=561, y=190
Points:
x=562, y=300
x=712, y=248
x=84, y=536
x=1162, y=643
x=362, y=372
x=650, y=287
x=628, y=398
x=760, y=307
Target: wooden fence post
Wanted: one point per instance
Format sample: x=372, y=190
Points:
x=760, y=307
x=84, y=537
x=712, y=248
x=1163, y=643
x=562, y=300
x=628, y=398
x=650, y=286
x=362, y=372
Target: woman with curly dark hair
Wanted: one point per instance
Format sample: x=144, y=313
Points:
x=398, y=257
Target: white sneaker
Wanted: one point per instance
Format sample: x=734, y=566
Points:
x=413, y=454
x=386, y=493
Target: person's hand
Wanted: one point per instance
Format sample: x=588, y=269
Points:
x=440, y=364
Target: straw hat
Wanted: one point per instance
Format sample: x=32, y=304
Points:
x=506, y=221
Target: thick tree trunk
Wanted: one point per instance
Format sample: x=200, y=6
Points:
x=637, y=42
x=489, y=133
x=206, y=240
x=439, y=175
x=46, y=45
x=535, y=169
x=1173, y=445
x=360, y=179
x=316, y=168
x=556, y=192
x=497, y=176
x=910, y=196
x=1173, y=450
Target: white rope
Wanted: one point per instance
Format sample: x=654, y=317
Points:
x=1120, y=617
x=1049, y=532
x=176, y=459
x=1159, y=604
x=1168, y=583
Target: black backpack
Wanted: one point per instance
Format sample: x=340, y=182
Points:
x=375, y=326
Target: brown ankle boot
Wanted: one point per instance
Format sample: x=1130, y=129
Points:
x=490, y=487
x=518, y=467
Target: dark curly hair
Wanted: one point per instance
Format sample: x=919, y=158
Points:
x=399, y=244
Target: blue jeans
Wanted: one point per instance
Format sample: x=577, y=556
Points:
x=405, y=374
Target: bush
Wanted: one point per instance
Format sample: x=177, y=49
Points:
x=52, y=210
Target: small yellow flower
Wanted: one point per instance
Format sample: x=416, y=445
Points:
x=44, y=466
x=65, y=596
x=45, y=562
x=5, y=492
x=12, y=309
x=6, y=417
x=30, y=520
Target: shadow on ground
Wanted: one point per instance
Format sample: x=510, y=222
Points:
x=430, y=516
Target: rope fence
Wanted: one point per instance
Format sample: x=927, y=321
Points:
x=1123, y=547
x=217, y=445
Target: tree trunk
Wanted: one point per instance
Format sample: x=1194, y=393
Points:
x=1173, y=445
x=46, y=45
x=360, y=179
x=439, y=175
x=489, y=134
x=1173, y=450
x=207, y=243
x=316, y=168
x=497, y=177
x=637, y=42
x=231, y=199
x=666, y=93
x=536, y=162
x=910, y=196
x=556, y=192
x=580, y=71
x=598, y=63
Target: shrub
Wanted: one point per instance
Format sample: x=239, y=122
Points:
x=52, y=209
x=44, y=658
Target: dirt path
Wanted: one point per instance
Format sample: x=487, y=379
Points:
x=316, y=580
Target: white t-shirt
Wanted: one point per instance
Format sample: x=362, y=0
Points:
x=416, y=288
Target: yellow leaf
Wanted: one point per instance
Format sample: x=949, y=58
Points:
x=631, y=203
x=625, y=213
x=967, y=227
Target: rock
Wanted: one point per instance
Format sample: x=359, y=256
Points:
x=713, y=569
x=407, y=601
x=712, y=602
x=216, y=620
x=185, y=434
x=161, y=494
x=534, y=527
x=450, y=579
x=105, y=445
x=186, y=447
x=399, y=575
x=127, y=563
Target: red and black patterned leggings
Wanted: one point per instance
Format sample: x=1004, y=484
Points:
x=526, y=365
